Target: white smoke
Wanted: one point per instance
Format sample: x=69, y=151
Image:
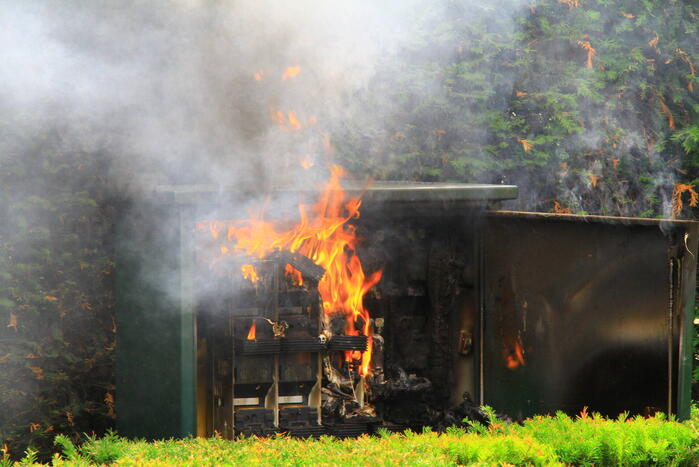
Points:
x=169, y=88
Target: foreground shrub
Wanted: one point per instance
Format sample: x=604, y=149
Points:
x=594, y=440
x=558, y=440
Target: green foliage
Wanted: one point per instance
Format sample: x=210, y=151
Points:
x=68, y=449
x=103, y=450
x=481, y=428
x=507, y=93
x=594, y=440
x=558, y=440
x=56, y=322
x=30, y=457
x=688, y=137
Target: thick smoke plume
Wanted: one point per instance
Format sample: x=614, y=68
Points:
x=144, y=93
x=170, y=88
x=196, y=91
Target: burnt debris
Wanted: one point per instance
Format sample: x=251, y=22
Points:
x=308, y=269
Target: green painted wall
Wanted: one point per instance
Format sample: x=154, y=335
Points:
x=155, y=370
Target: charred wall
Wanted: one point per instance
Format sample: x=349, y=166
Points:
x=428, y=301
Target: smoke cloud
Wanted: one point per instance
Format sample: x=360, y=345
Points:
x=187, y=92
x=195, y=91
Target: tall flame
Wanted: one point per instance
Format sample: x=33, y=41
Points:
x=252, y=331
x=323, y=235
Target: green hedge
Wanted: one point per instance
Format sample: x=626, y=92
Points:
x=590, y=104
x=558, y=440
x=56, y=308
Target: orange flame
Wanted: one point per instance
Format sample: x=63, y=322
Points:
x=289, y=120
x=294, y=274
x=253, y=330
x=249, y=272
x=323, y=235
x=515, y=357
x=214, y=229
x=277, y=116
x=294, y=121
x=306, y=162
x=258, y=75
x=291, y=72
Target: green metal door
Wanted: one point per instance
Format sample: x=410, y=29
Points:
x=587, y=311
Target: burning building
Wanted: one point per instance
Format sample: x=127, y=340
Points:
x=317, y=320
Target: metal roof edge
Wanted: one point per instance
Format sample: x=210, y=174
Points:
x=377, y=192
x=591, y=218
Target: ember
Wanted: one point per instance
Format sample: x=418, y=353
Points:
x=291, y=72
